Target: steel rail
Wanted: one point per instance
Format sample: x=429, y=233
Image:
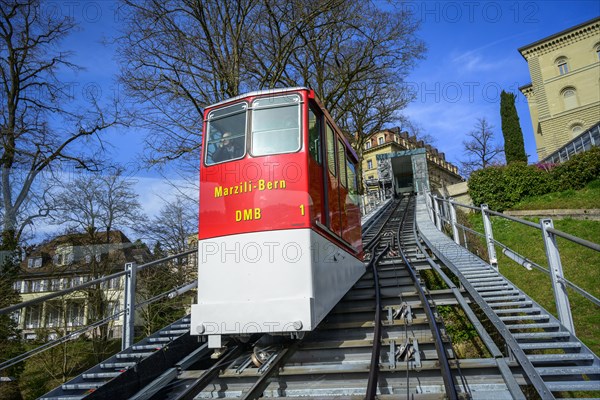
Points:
x=514, y=219
x=374, y=368
x=575, y=239
x=207, y=377
x=435, y=330
x=256, y=391
x=374, y=365
x=48, y=345
x=376, y=238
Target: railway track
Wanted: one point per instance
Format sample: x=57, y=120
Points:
x=384, y=339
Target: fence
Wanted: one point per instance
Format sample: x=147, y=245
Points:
x=128, y=312
x=443, y=214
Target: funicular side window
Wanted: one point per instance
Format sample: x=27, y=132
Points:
x=226, y=134
x=330, y=150
x=352, y=188
x=342, y=162
x=276, y=125
x=314, y=137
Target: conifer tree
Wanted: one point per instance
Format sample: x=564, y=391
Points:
x=514, y=148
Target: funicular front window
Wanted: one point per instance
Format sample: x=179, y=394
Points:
x=276, y=125
x=226, y=134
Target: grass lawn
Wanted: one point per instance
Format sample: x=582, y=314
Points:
x=581, y=266
x=588, y=197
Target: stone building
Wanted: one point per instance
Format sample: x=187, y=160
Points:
x=378, y=180
x=68, y=261
x=564, y=93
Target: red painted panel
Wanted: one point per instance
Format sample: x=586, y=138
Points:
x=254, y=194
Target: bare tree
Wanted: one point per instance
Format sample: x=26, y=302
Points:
x=170, y=230
x=481, y=148
x=172, y=227
x=38, y=127
x=180, y=57
x=367, y=113
x=99, y=204
x=415, y=129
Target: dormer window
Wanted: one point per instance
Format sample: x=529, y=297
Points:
x=368, y=145
x=562, y=65
x=380, y=140
x=64, y=255
x=34, y=262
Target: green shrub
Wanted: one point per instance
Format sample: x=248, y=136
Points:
x=502, y=187
x=578, y=171
x=524, y=180
x=487, y=186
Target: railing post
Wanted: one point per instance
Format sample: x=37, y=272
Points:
x=453, y=220
x=129, y=306
x=429, y=206
x=438, y=218
x=489, y=236
x=561, y=297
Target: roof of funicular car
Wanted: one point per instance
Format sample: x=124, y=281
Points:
x=259, y=93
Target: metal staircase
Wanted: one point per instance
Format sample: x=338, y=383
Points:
x=553, y=359
x=125, y=373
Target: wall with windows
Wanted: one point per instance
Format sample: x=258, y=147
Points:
x=67, y=313
x=564, y=94
x=441, y=172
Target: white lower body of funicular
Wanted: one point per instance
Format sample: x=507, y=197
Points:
x=269, y=282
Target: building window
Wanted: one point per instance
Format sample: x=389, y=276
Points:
x=36, y=286
x=75, y=314
x=368, y=145
x=54, y=285
x=598, y=51
x=380, y=140
x=562, y=65
x=53, y=315
x=369, y=164
x=34, y=262
x=569, y=96
x=576, y=130
x=113, y=308
x=33, y=317
x=64, y=255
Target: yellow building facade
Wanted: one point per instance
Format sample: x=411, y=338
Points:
x=564, y=93
x=441, y=172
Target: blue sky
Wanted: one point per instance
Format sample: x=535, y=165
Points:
x=472, y=55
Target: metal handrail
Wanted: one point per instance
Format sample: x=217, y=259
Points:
x=575, y=239
x=60, y=293
x=564, y=235
x=521, y=259
x=72, y=335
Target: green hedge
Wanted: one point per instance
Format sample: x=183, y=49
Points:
x=579, y=170
x=501, y=187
